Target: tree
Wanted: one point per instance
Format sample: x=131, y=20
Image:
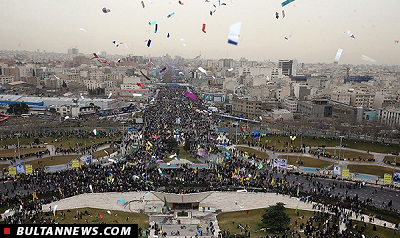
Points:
x=275, y=218
x=18, y=108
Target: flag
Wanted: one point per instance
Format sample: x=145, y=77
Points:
x=297, y=208
x=272, y=182
x=59, y=189
x=35, y=196
x=195, y=170
x=240, y=116
x=260, y=166
x=123, y=168
x=198, y=229
x=148, y=142
x=242, y=179
x=165, y=202
x=161, y=173
x=247, y=213
x=241, y=128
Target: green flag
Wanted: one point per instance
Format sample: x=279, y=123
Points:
x=165, y=202
x=297, y=208
x=260, y=166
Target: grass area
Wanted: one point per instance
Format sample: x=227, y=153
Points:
x=65, y=141
x=306, y=161
x=183, y=154
x=380, y=232
x=348, y=154
x=383, y=214
x=254, y=221
x=55, y=160
x=280, y=142
x=250, y=151
x=370, y=169
x=116, y=217
x=12, y=152
x=101, y=153
x=391, y=159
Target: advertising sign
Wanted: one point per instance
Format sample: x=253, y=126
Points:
x=345, y=173
x=278, y=162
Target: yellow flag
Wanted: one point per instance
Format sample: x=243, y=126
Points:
x=272, y=182
x=148, y=142
x=255, y=176
x=35, y=196
x=195, y=170
x=220, y=178
x=59, y=189
x=241, y=179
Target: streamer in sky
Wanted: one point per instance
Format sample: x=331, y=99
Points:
x=170, y=15
x=283, y=14
x=191, y=95
x=180, y=2
x=155, y=29
x=168, y=35
x=288, y=38
x=396, y=42
x=277, y=15
x=143, y=4
x=204, y=28
x=148, y=43
x=116, y=43
x=338, y=54
x=286, y=2
x=234, y=32
x=202, y=70
x=105, y=10
x=81, y=29
x=366, y=58
x=195, y=58
x=152, y=23
x=350, y=34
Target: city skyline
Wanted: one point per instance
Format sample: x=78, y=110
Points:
x=317, y=29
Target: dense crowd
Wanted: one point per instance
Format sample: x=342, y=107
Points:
x=172, y=122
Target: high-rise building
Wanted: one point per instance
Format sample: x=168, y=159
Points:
x=73, y=51
x=288, y=67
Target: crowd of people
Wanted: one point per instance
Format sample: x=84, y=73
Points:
x=172, y=122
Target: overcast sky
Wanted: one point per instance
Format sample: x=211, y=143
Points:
x=318, y=28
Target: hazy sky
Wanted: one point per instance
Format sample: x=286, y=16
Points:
x=318, y=28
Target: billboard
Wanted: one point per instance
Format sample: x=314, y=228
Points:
x=387, y=178
x=396, y=177
x=278, y=162
x=75, y=164
x=28, y=169
x=20, y=168
x=345, y=173
x=12, y=170
x=337, y=170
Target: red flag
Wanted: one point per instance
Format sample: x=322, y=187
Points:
x=204, y=28
x=241, y=128
x=247, y=213
x=101, y=216
x=140, y=85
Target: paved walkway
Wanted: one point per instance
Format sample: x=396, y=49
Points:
x=226, y=201
x=379, y=157
x=53, y=154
